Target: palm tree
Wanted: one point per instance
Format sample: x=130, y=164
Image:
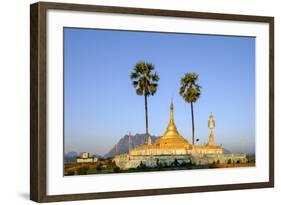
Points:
x=190, y=91
x=145, y=83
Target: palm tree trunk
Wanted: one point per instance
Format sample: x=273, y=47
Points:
x=146, y=116
x=192, y=115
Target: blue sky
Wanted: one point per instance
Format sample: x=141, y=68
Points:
x=101, y=106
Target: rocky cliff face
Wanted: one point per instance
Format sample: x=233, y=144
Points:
x=123, y=144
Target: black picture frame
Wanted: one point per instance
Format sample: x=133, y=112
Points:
x=38, y=100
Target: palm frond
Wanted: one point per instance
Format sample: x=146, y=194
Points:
x=135, y=83
x=189, y=89
x=143, y=79
x=134, y=75
x=154, y=77
x=139, y=91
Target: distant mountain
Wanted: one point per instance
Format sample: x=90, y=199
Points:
x=226, y=151
x=123, y=144
x=70, y=156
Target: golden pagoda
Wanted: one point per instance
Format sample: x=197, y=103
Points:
x=170, y=143
x=172, y=146
x=171, y=137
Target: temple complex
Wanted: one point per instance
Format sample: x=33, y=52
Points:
x=172, y=146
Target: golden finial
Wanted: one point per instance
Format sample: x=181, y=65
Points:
x=172, y=111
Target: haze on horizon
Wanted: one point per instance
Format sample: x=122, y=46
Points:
x=100, y=104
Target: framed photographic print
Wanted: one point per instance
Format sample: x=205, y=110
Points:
x=135, y=102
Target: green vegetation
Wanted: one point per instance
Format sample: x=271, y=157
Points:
x=190, y=91
x=116, y=169
x=251, y=159
x=98, y=167
x=145, y=83
x=108, y=166
x=142, y=166
x=83, y=171
x=175, y=163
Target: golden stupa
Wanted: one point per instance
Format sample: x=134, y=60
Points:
x=172, y=146
x=169, y=144
x=171, y=137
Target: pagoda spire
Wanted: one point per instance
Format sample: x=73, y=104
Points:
x=171, y=131
x=172, y=112
x=172, y=126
